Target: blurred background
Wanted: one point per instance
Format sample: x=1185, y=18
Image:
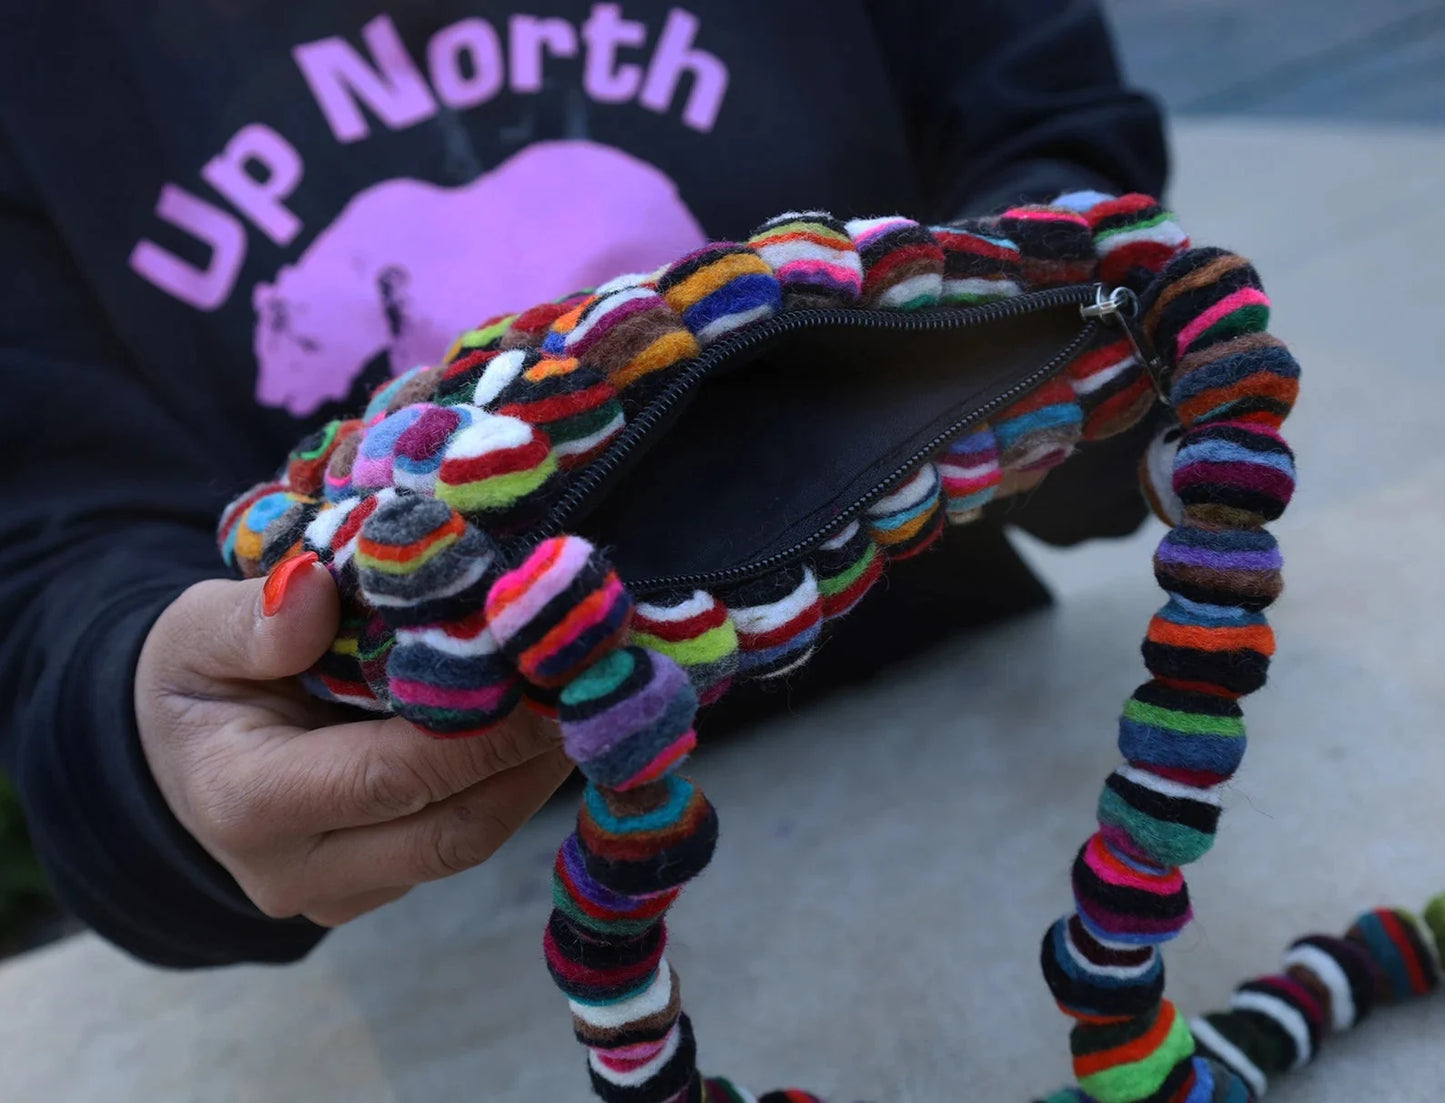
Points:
x=1310, y=136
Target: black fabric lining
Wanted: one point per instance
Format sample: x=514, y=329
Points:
x=771, y=451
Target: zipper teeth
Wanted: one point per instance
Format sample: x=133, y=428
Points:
x=942, y=318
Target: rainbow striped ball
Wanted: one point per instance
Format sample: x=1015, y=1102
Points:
x=720, y=288
x=813, y=257
x=902, y=263
x=560, y=611
x=306, y=465
x=1133, y=232
x=693, y=629
x=1056, y=245
x=577, y=409
x=239, y=541
x=493, y=464
x=778, y=619
x=909, y=518
x=980, y=263
x=630, y=335
x=285, y=536
x=420, y=562
x=627, y=719
x=847, y=564
x=451, y=679
x=970, y=474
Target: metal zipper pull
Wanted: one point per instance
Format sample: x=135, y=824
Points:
x=1120, y=307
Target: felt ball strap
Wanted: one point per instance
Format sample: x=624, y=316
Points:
x=1181, y=734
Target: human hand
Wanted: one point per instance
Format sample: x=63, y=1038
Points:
x=312, y=816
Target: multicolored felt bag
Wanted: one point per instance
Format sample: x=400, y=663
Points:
x=753, y=433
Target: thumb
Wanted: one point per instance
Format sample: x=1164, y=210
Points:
x=260, y=629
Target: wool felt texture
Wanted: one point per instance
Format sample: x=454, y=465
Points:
x=422, y=508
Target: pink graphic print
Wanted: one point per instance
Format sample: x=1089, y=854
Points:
x=408, y=265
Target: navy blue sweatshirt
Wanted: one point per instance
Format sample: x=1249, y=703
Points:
x=221, y=221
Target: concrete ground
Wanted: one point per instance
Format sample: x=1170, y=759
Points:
x=891, y=857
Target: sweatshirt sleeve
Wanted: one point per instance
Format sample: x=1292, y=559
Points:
x=107, y=507
x=1016, y=101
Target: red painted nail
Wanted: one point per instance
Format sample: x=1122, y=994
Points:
x=273, y=594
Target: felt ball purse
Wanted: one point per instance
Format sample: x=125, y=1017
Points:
x=752, y=434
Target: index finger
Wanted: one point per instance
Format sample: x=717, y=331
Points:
x=374, y=771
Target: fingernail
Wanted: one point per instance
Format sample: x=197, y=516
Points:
x=273, y=594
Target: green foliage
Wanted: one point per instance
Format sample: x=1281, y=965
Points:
x=24, y=894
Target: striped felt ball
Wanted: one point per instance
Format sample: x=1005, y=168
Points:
x=902, y=263
x=1095, y=982
x=420, y=447
x=1126, y=900
x=813, y=257
x=594, y=970
x=336, y=479
x=1204, y=297
x=909, y=518
x=285, y=535
x=306, y=465
x=493, y=464
x=1112, y=388
x=530, y=328
x=1221, y=645
x=640, y=1019
x=1147, y=1057
x=458, y=380
x=720, y=288
x=335, y=533
x=337, y=674
x=419, y=562
x=554, y=341
x=1167, y=822
x=483, y=337
x=1055, y=244
x=373, y=650
x=846, y=566
x=376, y=459
x=630, y=336
x=1133, y=233
x=1156, y=474
x=398, y=391
x=450, y=679
x=970, y=474
x=668, y=1073
x=576, y=408
x=1401, y=950
x=693, y=629
x=1214, y=567
x=594, y=907
x=560, y=611
x=627, y=719
x=1036, y=434
x=646, y=841
x=778, y=619
x=1234, y=473
x=1340, y=972
x=244, y=543
x=1192, y=737
x=229, y=529
x=1252, y=378
x=980, y=263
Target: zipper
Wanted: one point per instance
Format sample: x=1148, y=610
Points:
x=1085, y=296
x=1120, y=307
